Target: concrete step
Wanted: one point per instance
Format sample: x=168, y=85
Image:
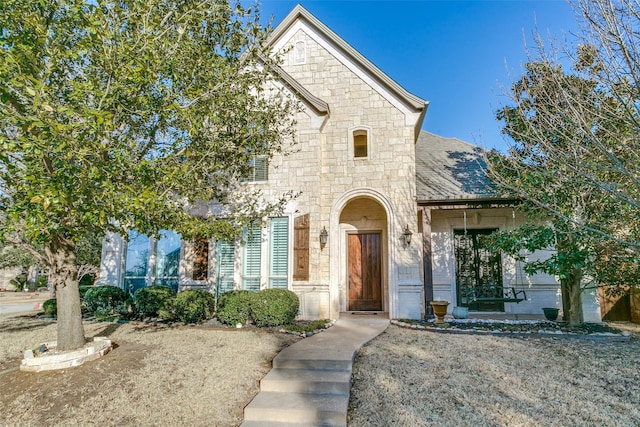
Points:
x=282, y=424
x=298, y=408
x=307, y=381
x=338, y=361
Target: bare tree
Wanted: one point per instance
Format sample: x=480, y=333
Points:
x=574, y=155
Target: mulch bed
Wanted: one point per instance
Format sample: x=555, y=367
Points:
x=517, y=327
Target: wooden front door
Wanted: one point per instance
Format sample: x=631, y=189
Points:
x=365, y=272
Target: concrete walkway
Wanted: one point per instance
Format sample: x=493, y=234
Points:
x=310, y=380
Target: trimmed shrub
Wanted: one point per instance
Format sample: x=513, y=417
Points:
x=150, y=300
x=104, y=299
x=83, y=291
x=235, y=307
x=193, y=306
x=50, y=307
x=274, y=307
x=126, y=309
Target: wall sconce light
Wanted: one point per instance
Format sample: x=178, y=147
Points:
x=324, y=236
x=406, y=235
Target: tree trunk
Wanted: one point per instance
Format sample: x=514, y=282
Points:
x=573, y=296
x=63, y=274
x=565, y=291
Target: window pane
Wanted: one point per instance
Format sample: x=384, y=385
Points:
x=167, y=259
x=279, y=253
x=360, y=144
x=136, y=262
x=200, y=259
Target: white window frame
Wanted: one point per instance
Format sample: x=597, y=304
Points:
x=351, y=148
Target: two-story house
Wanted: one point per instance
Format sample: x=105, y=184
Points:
x=386, y=214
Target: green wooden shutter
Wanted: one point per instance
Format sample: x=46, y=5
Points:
x=225, y=255
x=252, y=257
x=279, y=253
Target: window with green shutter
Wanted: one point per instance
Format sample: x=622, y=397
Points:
x=225, y=257
x=279, y=253
x=251, y=259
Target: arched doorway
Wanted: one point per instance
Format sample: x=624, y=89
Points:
x=363, y=225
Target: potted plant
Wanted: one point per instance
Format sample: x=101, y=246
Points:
x=460, y=312
x=550, y=313
x=439, y=309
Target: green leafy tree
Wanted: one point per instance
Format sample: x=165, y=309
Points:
x=575, y=147
x=130, y=114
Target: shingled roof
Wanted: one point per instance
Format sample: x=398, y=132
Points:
x=449, y=170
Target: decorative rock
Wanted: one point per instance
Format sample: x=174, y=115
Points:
x=68, y=359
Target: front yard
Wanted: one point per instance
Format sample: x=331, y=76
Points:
x=193, y=376
x=417, y=378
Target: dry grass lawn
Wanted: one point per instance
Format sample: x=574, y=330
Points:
x=157, y=376
x=160, y=376
x=417, y=378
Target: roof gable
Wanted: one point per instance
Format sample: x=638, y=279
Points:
x=299, y=16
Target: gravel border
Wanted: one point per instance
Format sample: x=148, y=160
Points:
x=623, y=336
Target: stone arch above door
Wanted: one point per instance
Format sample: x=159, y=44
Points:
x=366, y=216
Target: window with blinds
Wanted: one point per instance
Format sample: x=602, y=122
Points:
x=251, y=259
x=225, y=257
x=279, y=253
x=259, y=169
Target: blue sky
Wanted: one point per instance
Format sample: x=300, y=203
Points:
x=459, y=55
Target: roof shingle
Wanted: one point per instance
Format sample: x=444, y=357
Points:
x=448, y=169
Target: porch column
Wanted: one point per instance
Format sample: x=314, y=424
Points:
x=427, y=261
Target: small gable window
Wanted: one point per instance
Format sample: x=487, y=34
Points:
x=300, y=53
x=360, y=144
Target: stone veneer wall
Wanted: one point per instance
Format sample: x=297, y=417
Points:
x=324, y=169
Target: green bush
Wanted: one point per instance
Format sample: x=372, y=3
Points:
x=274, y=307
x=50, y=307
x=87, y=280
x=41, y=282
x=235, y=307
x=192, y=306
x=104, y=299
x=20, y=283
x=126, y=309
x=150, y=300
x=83, y=291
